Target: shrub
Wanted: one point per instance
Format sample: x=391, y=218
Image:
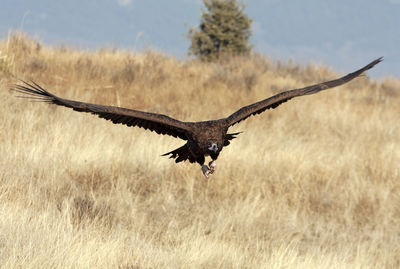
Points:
x=224, y=29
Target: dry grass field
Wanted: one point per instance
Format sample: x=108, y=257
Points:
x=314, y=183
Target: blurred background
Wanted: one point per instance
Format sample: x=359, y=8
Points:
x=341, y=34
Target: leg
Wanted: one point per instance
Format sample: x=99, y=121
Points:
x=208, y=170
x=213, y=165
x=205, y=170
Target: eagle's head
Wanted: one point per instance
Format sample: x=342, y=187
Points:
x=212, y=147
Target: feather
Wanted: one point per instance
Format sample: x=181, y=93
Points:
x=198, y=134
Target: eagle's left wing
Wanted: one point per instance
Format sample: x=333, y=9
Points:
x=282, y=97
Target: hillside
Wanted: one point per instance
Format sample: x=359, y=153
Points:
x=312, y=184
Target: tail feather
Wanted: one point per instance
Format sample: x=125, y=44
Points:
x=181, y=154
x=230, y=137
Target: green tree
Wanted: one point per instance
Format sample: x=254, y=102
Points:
x=224, y=29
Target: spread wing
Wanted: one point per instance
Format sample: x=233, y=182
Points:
x=282, y=97
x=159, y=123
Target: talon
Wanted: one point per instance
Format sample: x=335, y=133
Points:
x=205, y=170
x=212, y=165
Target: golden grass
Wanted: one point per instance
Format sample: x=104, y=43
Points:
x=312, y=184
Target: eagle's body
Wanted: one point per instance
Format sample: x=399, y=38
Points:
x=202, y=135
x=205, y=138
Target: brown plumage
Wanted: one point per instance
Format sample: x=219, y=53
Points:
x=205, y=138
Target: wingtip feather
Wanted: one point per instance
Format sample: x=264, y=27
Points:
x=375, y=62
x=369, y=66
x=32, y=91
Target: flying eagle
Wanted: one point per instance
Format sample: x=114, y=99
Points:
x=204, y=138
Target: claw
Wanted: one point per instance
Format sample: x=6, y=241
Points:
x=212, y=165
x=205, y=170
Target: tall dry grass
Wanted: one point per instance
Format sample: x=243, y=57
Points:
x=312, y=184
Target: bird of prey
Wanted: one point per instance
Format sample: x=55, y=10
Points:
x=204, y=138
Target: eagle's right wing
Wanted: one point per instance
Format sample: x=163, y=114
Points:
x=282, y=97
x=159, y=123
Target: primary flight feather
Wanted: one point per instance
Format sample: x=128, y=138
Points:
x=204, y=138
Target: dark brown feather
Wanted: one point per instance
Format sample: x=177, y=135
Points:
x=181, y=154
x=276, y=100
x=199, y=135
x=158, y=123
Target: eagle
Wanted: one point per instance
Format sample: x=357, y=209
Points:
x=203, y=138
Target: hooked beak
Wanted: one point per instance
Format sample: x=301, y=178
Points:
x=213, y=147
